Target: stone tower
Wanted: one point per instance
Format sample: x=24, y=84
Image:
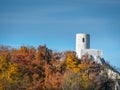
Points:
x=82, y=42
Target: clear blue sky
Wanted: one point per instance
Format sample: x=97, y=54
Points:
x=56, y=22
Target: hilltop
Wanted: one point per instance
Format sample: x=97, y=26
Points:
x=43, y=69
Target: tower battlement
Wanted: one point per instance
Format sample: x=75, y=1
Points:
x=82, y=41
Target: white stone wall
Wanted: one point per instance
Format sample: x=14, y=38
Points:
x=93, y=54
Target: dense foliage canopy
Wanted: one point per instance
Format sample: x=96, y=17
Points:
x=28, y=68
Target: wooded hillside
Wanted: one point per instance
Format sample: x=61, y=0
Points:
x=28, y=68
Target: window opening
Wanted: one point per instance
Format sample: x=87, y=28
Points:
x=83, y=39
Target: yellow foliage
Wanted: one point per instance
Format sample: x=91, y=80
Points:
x=7, y=70
x=12, y=71
x=73, y=64
x=71, y=61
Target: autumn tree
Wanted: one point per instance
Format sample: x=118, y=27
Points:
x=9, y=74
x=71, y=61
